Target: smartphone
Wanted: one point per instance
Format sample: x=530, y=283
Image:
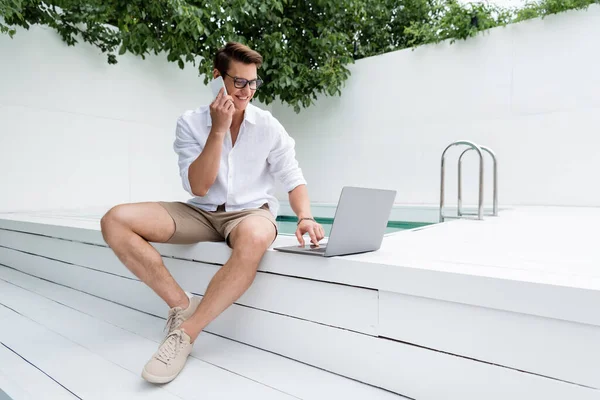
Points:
x=216, y=85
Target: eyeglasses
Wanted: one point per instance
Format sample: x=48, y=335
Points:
x=241, y=83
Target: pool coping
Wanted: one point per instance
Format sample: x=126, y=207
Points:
x=542, y=293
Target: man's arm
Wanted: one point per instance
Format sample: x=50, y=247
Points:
x=300, y=202
x=284, y=166
x=203, y=171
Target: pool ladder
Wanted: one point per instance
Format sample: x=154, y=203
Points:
x=479, y=149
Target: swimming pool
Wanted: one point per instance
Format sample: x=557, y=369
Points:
x=287, y=225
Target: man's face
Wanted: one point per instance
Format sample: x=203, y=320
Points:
x=241, y=97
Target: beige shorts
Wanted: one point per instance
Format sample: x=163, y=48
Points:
x=193, y=225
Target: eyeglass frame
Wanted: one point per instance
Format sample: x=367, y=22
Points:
x=259, y=81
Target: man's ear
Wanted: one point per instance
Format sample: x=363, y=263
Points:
x=216, y=73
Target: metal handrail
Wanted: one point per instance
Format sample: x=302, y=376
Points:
x=495, y=183
x=442, y=188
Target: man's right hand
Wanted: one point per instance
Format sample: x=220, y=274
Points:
x=221, y=113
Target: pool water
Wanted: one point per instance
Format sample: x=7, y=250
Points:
x=287, y=225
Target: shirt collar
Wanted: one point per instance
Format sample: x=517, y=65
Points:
x=249, y=115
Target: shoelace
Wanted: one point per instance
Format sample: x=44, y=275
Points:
x=174, y=320
x=170, y=347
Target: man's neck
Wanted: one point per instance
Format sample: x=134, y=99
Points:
x=238, y=118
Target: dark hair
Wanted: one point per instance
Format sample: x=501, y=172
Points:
x=237, y=52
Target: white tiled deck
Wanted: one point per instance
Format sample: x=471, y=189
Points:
x=501, y=308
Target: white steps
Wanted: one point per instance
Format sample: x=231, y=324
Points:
x=97, y=349
x=441, y=349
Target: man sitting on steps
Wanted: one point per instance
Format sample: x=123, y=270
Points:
x=230, y=154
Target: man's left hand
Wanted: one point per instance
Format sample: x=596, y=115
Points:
x=314, y=230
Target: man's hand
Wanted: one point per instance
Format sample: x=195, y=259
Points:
x=314, y=230
x=221, y=113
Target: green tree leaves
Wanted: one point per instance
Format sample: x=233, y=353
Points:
x=306, y=44
x=453, y=20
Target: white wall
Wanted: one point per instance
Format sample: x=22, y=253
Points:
x=76, y=132
x=530, y=91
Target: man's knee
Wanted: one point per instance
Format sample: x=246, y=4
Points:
x=114, y=218
x=254, y=236
x=261, y=239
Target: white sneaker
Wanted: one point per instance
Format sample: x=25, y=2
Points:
x=169, y=360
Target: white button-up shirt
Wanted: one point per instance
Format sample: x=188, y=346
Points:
x=262, y=153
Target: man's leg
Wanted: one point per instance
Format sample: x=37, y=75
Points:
x=249, y=240
x=127, y=229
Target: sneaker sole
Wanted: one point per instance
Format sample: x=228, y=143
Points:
x=157, y=379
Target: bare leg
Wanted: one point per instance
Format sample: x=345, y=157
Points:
x=250, y=239
x=127, y=229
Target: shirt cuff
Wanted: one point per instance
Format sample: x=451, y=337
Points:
x=294, y=180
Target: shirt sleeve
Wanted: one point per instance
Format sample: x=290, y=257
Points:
x=282, y=159
x=187, y=149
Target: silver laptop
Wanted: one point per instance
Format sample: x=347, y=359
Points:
x=358, y=226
